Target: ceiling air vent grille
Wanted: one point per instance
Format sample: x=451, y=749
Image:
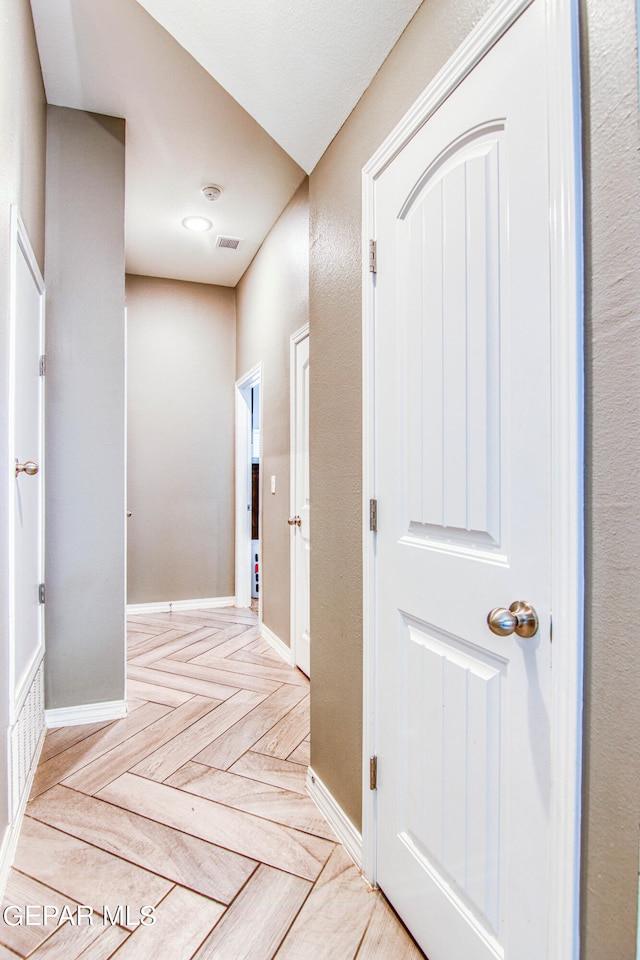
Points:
x=229, y=243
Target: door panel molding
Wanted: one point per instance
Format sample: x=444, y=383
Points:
x=567, y=572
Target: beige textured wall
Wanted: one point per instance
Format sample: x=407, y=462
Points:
x=22, y=181
x=612, y=337
x=181, y=371
x=437, y=29
x=85, y=415
x=272, y=303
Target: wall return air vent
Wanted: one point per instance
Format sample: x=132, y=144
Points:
x=228, y=243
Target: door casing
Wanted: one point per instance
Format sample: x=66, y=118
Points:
x=567, y=573
x=243, y=485
x=295, y=339
x=21, y=247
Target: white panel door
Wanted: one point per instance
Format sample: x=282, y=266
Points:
x=300, y=505
x=462, y=476
x=26, y=451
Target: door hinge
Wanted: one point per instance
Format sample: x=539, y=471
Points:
x=43, y=365
x=373, y=515
x=373, y=773
x=41, y=593
x=373, y=256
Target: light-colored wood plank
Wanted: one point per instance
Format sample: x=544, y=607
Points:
x=64, y=764
x=257, y=922
x=386, y=937
x=222, y=635
x=178, y=723
x=264, y=648
x=262, y=799
x=81, y=871
x=177, y=856
x=105, y=946
x=161, y=622
x=158, y=639
x=279, y=674
x=226, y=749
x=164, y=648
x=281, y=773
x=231, y=644
x=156, y=693
x=271, y=843
x=134, y=704
x=267, y=659
x=182, y=921
x=301, y=754
x=164, y=761
x=62, y=738
x=287, y=733
x=334, y=918
x=71, y=940
x=135, y=639
x=219, y=675
x=6, y=954
x=217, y=691
x=22, y=890
x=220, y=615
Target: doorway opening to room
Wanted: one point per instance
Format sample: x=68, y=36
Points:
x=248, y=485
x=254, y=563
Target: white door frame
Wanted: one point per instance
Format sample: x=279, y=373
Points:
x=294, y=340
x=565, y=181
x=21, y=246
x=243, y=486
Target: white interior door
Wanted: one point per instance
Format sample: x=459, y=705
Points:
x=300, y=511
x=27, y=465
x=462, y=478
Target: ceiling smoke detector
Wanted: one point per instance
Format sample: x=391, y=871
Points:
x=212, y=192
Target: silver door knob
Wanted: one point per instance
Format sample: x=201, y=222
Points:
x=30, y=468
x=295, y=521
x=520, y=618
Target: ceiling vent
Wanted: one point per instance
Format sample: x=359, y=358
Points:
x=229, y=243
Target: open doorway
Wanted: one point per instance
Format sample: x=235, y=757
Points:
x=248, y=486
x=254, y=563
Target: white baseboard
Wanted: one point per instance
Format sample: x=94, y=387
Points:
x=170, y=606
x=347, y=833
x=278, y=645
x=85, y=713
x=12, y=835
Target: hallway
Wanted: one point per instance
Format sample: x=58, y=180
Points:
x=193, y=811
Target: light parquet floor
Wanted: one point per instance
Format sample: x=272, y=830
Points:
x=193, y=805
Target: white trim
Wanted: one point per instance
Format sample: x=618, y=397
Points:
x=294, y=340
x=125, y=499
x=12, y=833
x=348, y=835
x=85, y=713
x=567, y=458
x=243, y=445
x=278, y=645
x=20, y=242
x=567, y=439
x=484, y=36
x=170, y=606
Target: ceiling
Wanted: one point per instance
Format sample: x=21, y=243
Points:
x=246, y=95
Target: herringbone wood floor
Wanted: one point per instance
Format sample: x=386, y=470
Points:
x=195, y=805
